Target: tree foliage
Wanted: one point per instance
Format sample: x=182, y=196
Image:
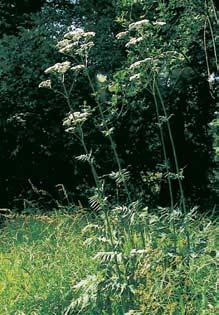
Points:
x=34, y=145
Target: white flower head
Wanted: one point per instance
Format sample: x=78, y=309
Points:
x=101, y=78
x=88, y=34
x=138, y=24
x=78, y=68
x=213, y=78
x=134, y=41
x=121, y=35
x=77, y=35
x=73, y=35
x=84, y=48
x=59, y=68
x=139, y=63
x=63, y=43
x=74, y=119
x=135, y=77
x=160, y=23
x=68, y=48
x=46, y=84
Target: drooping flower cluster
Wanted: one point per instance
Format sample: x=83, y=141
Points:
x=213, y=78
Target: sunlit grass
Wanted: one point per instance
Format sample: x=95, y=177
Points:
x=40, y=259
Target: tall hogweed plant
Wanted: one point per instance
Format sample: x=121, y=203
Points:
x=147, y=260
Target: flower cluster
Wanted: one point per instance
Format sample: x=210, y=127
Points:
x=213, y=78
x=75, y=119
x=78, y=68
x=135, y=77
x=77, y=35
x=134, y=41
x=139, y=63
x=76, y=42
x=121, y=35
x=59, y=68
x=159, y=23
x=46, y=84
x=138, y=24
x=101, y=78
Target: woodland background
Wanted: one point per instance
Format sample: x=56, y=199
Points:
x=36, y=152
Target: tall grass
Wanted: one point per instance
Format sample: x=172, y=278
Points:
x=62, y=264
x=40, y=259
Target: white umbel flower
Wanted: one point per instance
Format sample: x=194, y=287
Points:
x=78, y=68
x=77, y=35
x=139, y=63
x=138, y=24
x=101, y=78
x=46, y=84
x=88, y=34
x=84, y=49
x=135, y=77
x=59, y=68
x=74, y=35
x=76, y=118
x=213, y=78
x=121, y=35
x=160, y=23
x=63, y=43
x=134, y=41
x=68, y=48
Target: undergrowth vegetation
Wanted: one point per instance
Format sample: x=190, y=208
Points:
x=131, y=262
x=40, y=259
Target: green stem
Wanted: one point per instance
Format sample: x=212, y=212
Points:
x=173, y=148
x=163, y=146
x=112, y=142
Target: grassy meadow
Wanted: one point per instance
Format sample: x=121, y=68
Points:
x=66, y=264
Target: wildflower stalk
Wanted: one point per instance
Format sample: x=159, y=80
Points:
x=93, y=169
x=173, y=148
x=112, y=142
x=166, y=164
x=163, y=145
